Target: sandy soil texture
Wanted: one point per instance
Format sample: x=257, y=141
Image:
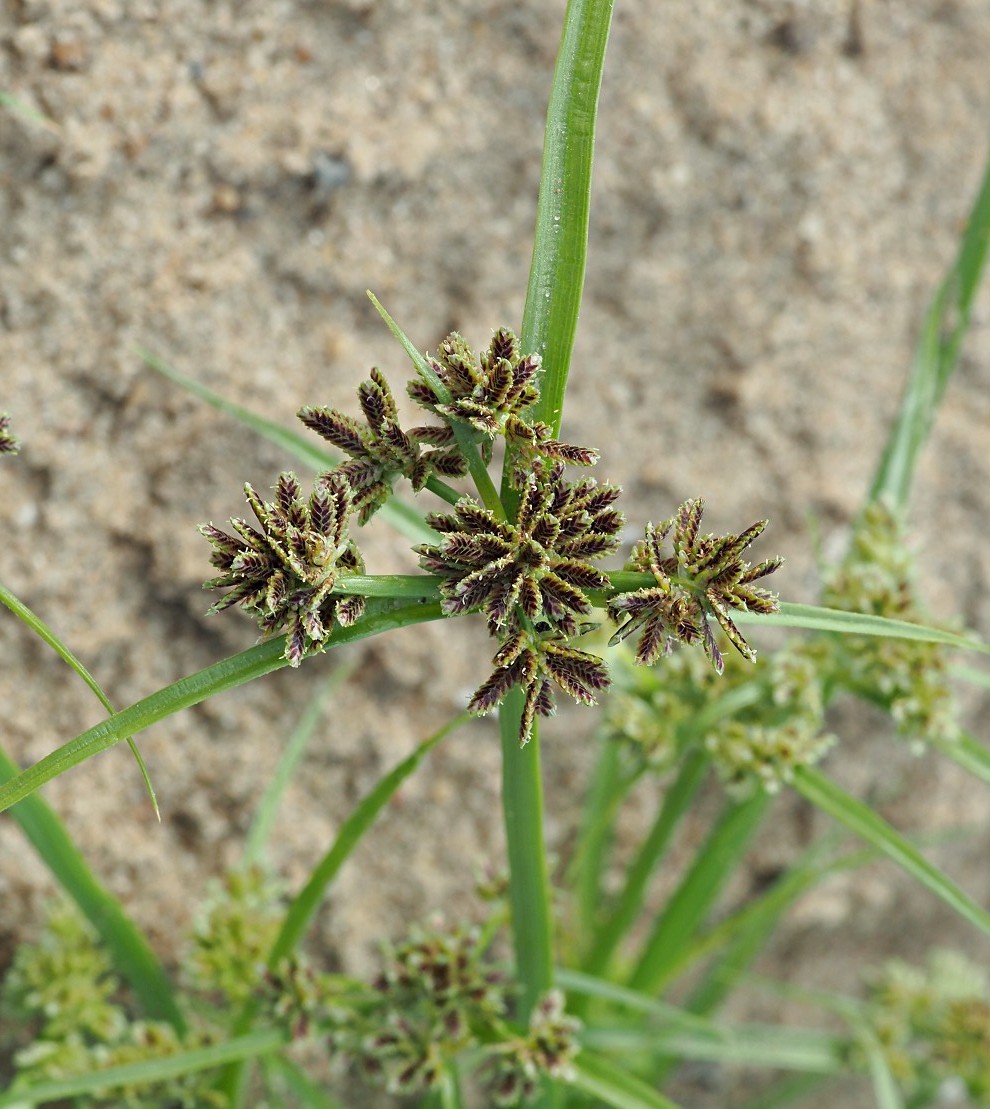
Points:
x=779, y=186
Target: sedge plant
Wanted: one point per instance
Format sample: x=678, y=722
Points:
x=575, y=1014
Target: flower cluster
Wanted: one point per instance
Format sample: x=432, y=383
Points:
x=907, y=677
x=8, y=444
x=532, y=574
x=530, y=579
x=761, y=748
x=239, y=922
x=285, y=574
x=62, y=990
x=548, y=1049
x=758, y=726
x=435, y=997
x=704, y=577
x=382, y=451
x=933, y=1025
x=492, y=394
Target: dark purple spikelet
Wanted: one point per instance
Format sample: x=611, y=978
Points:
x=380, y=451
x=8, y=444
x=703, y=578
x=530, y=581
x=492, y=393
x=284, y=574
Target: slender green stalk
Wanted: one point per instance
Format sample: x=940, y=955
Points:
x=529, y=886
x=150, y=1071
x=308, y=900
x=937, y=355
x=550, y=316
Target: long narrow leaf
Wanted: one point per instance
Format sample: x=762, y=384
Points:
x=816, y=618
x=295, y=748
x=937, y=354
x=970, y=754
x=694, y=897
x=131, y=953
x=403, y=517
x=743, y=1045
x=599, y=1077
x=226, y=674
x=308, y=900
x=556, y=276
x=41, y=629
x=866, y=824
x=150, y=1070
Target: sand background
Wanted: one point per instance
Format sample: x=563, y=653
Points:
x=778, y=188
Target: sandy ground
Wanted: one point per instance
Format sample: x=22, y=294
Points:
x=778, y=189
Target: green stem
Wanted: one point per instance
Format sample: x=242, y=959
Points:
x=553, y=300
x=444, y=491
x=529, y=886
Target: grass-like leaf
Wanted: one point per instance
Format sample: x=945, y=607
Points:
x=131, y=953
x=41, y=629
x=560, y=244
x=967, y=752
x=403, y=517
x=361, y=818
x=25, y=111
x=226, y=674
x=816, y=618
x=936, y=356
x=865, y=823
x=715, y=861
x=267, y=810
x=599, y=1077
x=744, y=1045
x=149, y=1071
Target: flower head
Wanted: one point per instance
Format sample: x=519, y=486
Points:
x=284, y=574
x=540, y=563
x=492, y=393
x=530, y=579
x=381, y=451
x=705, y=576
